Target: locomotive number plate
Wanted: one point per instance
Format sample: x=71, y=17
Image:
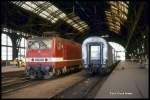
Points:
x=39, y=59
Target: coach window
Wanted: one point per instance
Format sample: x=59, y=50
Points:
x=6, y=47
x=22, y=48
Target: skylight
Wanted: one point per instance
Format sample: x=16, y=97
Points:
x=52, y=13
x=116, y=15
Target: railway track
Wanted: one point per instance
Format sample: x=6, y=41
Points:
x=15, y=84
x=82, y=89
x=12, y=85
x=86, y=88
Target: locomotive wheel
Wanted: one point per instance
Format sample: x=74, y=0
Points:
x=61, y=71
x=32, y=76
x=64, y=70
x=69, y=70
x=48, y=76
x=78, y=68
x=58, y=72
x=39, y=74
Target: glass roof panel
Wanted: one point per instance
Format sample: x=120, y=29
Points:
x=116, y=14
x=52, y=8
x=27, y=7
x=31, y=4
x=40, y=2
x=62, y=15
x=111, y=24
x=69, y=21
x=114, y=7
x=42, y=15
x=76, y=18
x=75, y=25
x=45, y=13
x=51, y=12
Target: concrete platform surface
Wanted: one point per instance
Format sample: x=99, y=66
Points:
x=11, y=69
x=128, y=80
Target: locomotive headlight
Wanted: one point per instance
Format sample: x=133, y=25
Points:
x=46, y=59
x=32, y=59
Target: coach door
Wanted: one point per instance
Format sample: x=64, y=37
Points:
x=95, y=53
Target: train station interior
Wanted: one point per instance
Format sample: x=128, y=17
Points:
x=113, y=33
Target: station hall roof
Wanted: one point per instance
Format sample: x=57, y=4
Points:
x=74, y=19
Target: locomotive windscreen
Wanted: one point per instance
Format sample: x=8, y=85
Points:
x=39, y=44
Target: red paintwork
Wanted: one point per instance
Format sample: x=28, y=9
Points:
x=68, y=49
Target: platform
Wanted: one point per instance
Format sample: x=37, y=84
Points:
x=13, y=68
x=12, y=71
x=128, y=80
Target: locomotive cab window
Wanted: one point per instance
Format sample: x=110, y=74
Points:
x=39, y=44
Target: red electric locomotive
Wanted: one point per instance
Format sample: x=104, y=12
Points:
x=52, y=55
